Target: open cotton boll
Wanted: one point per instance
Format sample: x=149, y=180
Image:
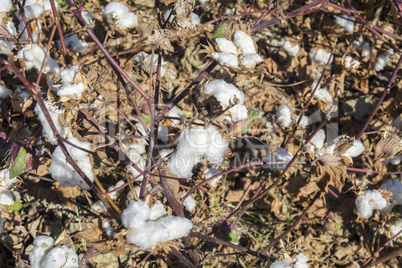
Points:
x=321, y=94
x=69, y=88
x=157, y=211
x=250, y=60
x=394, y=161
x=163, y=133
x=6, y=197
x=175, y=112
x=319, y=139
x=299, y=261
x=210, y=172
x=350, y=63
x=42, y=243
x=396, y=228
x=205, y=5
x=226, y=59
x=135, y=215
x=189, y=203
x=346, y=22
x=244, y=43
x=224, y=92
x=371, y=200
x=128, y=20
x=109, y=230
x=238, y=112
x=218, y=146
x=143, y=61
x=291, y=50
x=284, y=115
x=395, y=187
x=320, y=56
x=279, y=155
x=125, y=18
x=195, y=18
x=148, y=234
x=34, y=56
x=5, y=5
x=116, y=194
x=88, y=18
x=356, y=149
x=165, y=152
x=178, y=227
x=60, y=257
x=64, y=173
x=383, y=60
x=303, y=121
x=4, y=92
x=75, y=44
x=98, y=207
x=226, y=45
x=55, y=114
x=33, y=11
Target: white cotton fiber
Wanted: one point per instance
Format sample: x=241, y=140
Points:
x=143, y=61
x=124, y=18
x=396, y=228
x=34, y=56
x=4, y=92
x=356, y=149
x=279, y=155
x=5, y=5
x=210, y=172
x=320, y=56
x=226, y=59
x=42, y=243
x=238, y=112
x=303, y=121
x=217, y=145
x=163, y=133
x=88, y=18
x=178, y=227
x=346, y=22
x=244, y=43
x=250, y=60
x=319, y=139
x=55, y=114
x=394, y=161
x=166, y=15
x=98, y=207
x=351, y=63
x=68, y=88
x=148, y=234
x=291, y=50
x=189, y=203
x=157, y=211
x=117, y=193
x=383, y=60
x=321, y=94
x=398, y=122
x=284, y=115
x=6, y=197
x=136, y=214
x=75, y=44
x=64, y=173
x=195, y=18
x=175, y=112
x=60, y=257
x=224, y=92
x=299, y=261
x=395, y=187
x=33, y=11
x=371, y=200
x=226, y=45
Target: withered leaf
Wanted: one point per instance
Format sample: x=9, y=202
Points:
x=389, y=146
x=325, y=176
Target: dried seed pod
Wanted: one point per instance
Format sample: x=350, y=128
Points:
x=389, y=146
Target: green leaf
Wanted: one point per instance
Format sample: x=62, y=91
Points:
x=232, y=237
x=147, y=118
x=19, y=165
x=252, y=116
x=338, y=226
x=220, y=30
x=17, y=206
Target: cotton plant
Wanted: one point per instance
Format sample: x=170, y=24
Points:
x=368, y=202
x=143, y=61
x=194, y=144
x=64, y=173
x=284, y=115
x=119, y=16
x=383, y=60
x=146, y=233
x=320, y=56
x=7, y=193
x=299, y=261
x=291, y=50
x=55, y=114
x=227, y=95
x=46, y=254
x=34, y=55
x=241, y=52
x=346, y=22
x=280, y=154
x=210, y=172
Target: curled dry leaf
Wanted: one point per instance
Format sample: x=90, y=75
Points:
x=324, y=176
x=160, y=38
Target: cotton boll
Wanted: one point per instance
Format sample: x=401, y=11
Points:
x=303, y=121
x=291, y=50
x=320, y=56
x=395, y=187
x=365, y=49
x=157, y=211
x=225, y=93
x=135, y=215
x=226, y=45
x=109, y=230
x=363, y=207
x=174, y=112
x=226, y=59
x=284, y=115
x=33, y=11
x=163, y=134
x=41, y=243
x=394, y=161
x=323, y=95
x=398, y=122
x=34, y=56
x=350, y=63
x=116, y=9
x=238, y=112
x=210, y=172
x=396, y=228
x=5, y=178
x=279, y=155
x=128, y=20
x=75, y=44
x=4, y=92
x=143, y=61
x=117, y=193
x=205, y=5
x=371, y=200
x=218, y=146
x=346, y=22
x=98, y=207
x=71, y=90
x=189, y=203
x=250, y=60
x=195, y=18
x=383, y=60
x=60, y=257
x=165, y=152
x=178, y=227
x=5, y=5
x=244, y=43
x=88, y=18
x=282, y=264
x=319, y=139
x=301, y=261
x=356, y=149
x=6, y=197
x=148, y=234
